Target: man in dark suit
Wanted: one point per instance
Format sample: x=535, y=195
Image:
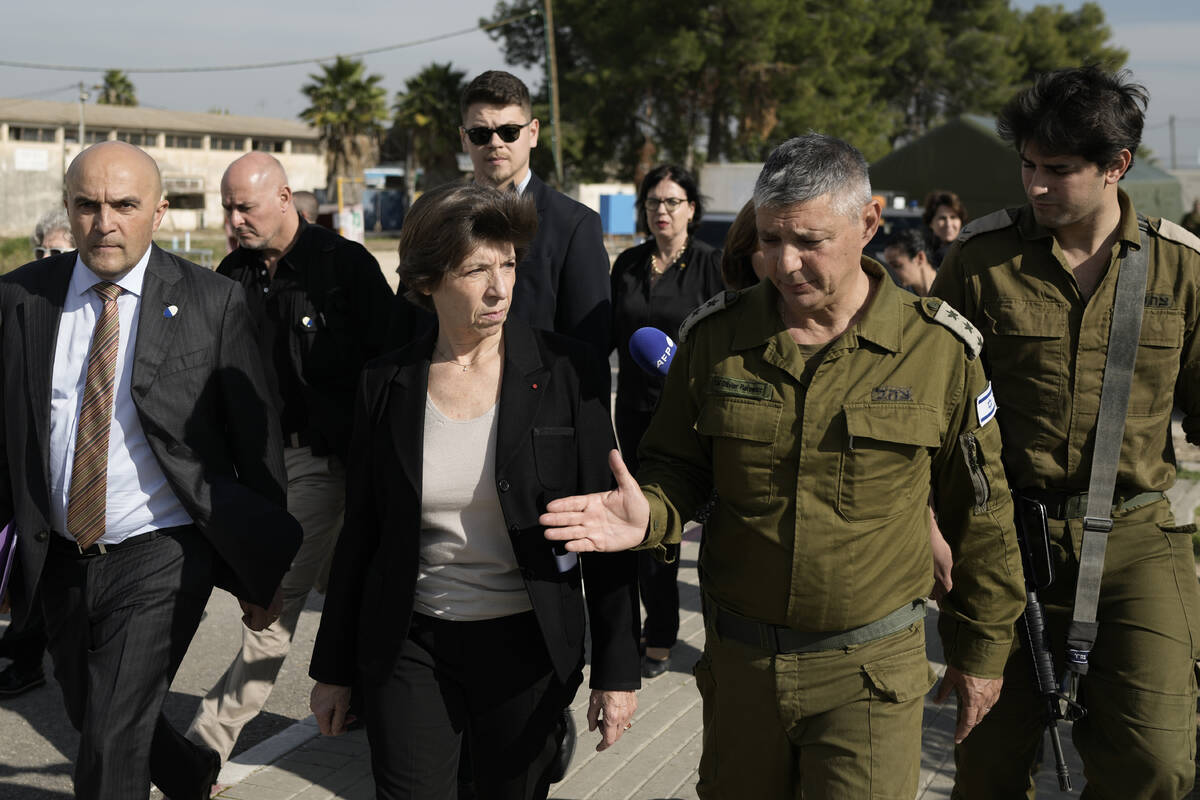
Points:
x=140, y=464
x=321, y=308
x=563, y=280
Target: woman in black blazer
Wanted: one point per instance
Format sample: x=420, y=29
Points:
x=657, y=284
x=454, y=621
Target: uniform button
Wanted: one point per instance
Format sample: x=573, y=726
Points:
x=42, y=536
x=513, y=529
x=503, y=485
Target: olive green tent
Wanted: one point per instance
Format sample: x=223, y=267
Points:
x=966, y=156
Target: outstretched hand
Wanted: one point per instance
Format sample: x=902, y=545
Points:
x=603, y=522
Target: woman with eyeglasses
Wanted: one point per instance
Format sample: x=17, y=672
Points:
x=657, y=284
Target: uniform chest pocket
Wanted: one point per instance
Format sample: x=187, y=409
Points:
x=1157, y=364
x=1025, y=344
x=885, y=463
x=554, y=455
x=744, y=434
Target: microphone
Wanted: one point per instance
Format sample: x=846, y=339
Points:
x=652, y=350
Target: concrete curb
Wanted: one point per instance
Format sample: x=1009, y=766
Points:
x=267, y=752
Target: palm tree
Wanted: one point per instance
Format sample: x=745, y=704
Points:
x=348, y=107
x=427, y=118
x=117, y=90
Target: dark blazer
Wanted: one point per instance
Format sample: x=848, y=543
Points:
x=199, y=390
x=562, y=282
x=553, y=440
x=349, y=303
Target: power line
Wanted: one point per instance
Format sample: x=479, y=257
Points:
x=274, y=64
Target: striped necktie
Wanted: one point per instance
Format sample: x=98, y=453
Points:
x=89, y=472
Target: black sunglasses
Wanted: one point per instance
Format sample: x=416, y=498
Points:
x=507, y=133
x=42, y=252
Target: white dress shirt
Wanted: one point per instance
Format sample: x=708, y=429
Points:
x=139, y=499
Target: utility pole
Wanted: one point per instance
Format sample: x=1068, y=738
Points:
x=552, y=74
x=83, y=96
x=1171, y=128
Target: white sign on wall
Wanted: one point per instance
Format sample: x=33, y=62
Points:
x=29, y=160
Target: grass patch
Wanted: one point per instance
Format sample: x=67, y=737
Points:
x=14, y=251
x=1185, y=474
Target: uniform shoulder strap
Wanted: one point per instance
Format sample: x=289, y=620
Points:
x=988, y=223
x=1178, y=234
x=945, y=315
x=715, y=304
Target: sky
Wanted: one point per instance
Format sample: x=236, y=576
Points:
x=1162, y=36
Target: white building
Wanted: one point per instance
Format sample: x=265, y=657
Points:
x=38, y=139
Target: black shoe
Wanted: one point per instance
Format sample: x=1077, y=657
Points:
x=653, y=667
x=15, y=680
x=557, y=769
x=180, y=787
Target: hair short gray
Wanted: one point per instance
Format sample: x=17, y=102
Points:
x=811, y=166
x=53, y=220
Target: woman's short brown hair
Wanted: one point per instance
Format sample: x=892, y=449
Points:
x=741, y=243
x=446, y=224
x=940, y=197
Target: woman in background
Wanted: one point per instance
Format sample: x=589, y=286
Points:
x=657, y=284
x=944, y=216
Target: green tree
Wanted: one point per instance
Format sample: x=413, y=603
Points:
x=117, y=90
x=729, y=79
x=349, y=108
x=427, y=121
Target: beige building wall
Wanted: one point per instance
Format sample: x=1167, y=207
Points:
x=31, y=171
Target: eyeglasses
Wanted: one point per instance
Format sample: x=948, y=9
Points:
x=507, y=133
x=42, y=252
x=672, y=203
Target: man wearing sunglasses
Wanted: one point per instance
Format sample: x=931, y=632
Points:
x=562, y=283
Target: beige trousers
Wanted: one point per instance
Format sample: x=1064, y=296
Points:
x=316, y=497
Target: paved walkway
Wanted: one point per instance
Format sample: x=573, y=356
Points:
x=656, y=760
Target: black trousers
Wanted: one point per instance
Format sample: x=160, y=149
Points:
x=25, y=645
x=658, y=582
x=118, y=627
x=489, y=685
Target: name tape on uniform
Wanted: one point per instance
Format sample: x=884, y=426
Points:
x=985, y=405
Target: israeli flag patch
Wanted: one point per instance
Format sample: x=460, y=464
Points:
x=985, y=405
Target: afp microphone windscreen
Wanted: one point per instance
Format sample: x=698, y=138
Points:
x=652, y=350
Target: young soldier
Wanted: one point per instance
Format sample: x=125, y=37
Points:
x=1039, y=281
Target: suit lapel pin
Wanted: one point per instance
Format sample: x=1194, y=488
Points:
x=170, y=311
x=535, y=386
x=307, y=322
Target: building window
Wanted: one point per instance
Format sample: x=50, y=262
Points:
x=90, y=135
x=303, y=146
x=30, y=134
x=184, y=141
x=139, y=138
x=269, y=145
x=226, y=143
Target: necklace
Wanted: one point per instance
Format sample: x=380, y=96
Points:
x=656, y=261
x=450, y=359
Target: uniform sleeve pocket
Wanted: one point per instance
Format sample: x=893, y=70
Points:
x=554, y=454
x=886, y=457
x=981, y=456
x=902, y=677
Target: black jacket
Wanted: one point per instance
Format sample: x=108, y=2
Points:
x=562, y=282
x=694, y=278
x=201, y=398
x=553, y=440
x=335, y=324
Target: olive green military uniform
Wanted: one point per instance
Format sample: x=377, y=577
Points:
x=823, y=470
x=1045, y=350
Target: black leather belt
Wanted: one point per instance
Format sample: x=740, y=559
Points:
x=71, y=547
x=781, y=639
x=1073, y=505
